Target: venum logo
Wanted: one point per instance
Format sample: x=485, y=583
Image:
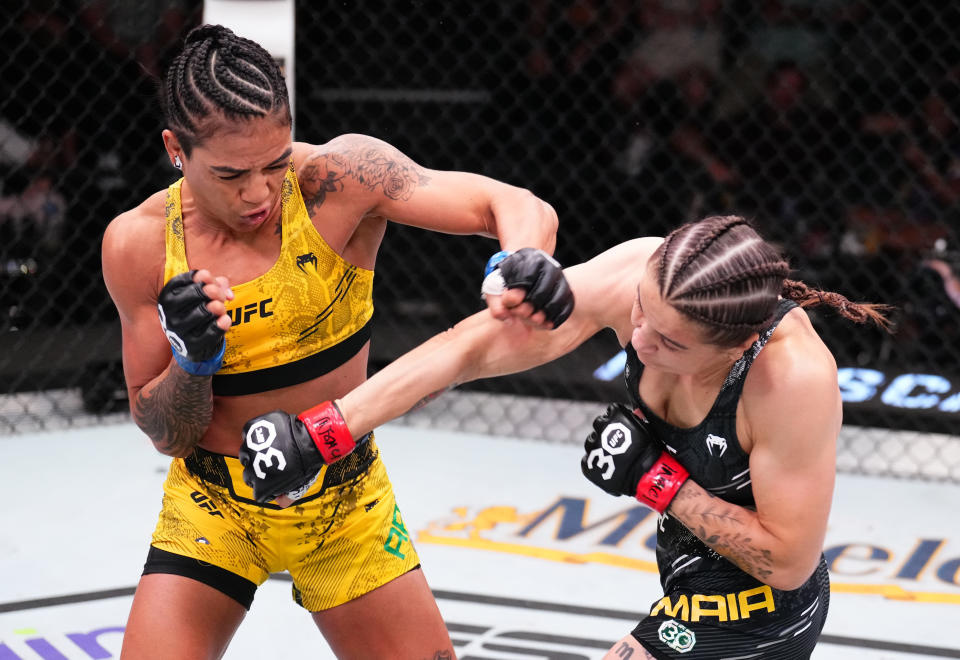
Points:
x=304, y=259
x=715, y=442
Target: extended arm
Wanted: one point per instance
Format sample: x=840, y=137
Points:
x=396, y=187
x=365, y=177
x=477, y=347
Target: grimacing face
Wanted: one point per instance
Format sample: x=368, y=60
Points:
x=665, y=339
x=236, y=175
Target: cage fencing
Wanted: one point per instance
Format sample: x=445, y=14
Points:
x=833, y=124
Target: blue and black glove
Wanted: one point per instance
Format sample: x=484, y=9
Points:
x=539, y=274
x=197, y=341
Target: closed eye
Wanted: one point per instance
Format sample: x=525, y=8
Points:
x=231, y=177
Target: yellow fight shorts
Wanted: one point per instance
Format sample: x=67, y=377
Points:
x=342, y=539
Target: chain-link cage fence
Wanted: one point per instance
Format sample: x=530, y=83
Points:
x=832, y=124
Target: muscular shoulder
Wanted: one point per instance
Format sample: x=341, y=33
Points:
x=795, y=372
x=363, y=165
x=133, y=248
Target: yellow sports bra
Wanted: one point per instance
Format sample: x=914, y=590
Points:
x=304, y=317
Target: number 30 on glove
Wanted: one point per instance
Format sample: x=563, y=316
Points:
x=282, y=453
x=622, y=457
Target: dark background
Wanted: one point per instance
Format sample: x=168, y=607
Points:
x=833, y=124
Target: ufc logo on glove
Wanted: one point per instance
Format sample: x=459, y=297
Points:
x=614, y=440
x=260, y=437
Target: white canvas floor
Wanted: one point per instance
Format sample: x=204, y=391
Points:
x=512, y=580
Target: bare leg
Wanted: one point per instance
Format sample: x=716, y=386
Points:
x=176, y=617
x=628, y=649
x=399, y=620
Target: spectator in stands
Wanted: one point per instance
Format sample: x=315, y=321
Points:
x=783, y=146
x=675, y=36
x=932, y=149
x=143, y=32
x=905, y=190
x=669, y=161
x=951, y=282
x=565, y=37
x=801, y=30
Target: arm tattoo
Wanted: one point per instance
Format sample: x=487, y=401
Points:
x=374, y=164
x=624, y=651
x=721, y=526
x=175, y=412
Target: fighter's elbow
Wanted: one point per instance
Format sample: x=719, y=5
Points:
x=792, y=576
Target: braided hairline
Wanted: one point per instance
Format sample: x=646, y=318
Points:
x=219, y=71
x=229, y=98
x=712, y=264
x=195, y=103
x=178, y=116
x=750, y=276
x=250, y=81
x=668, y=261
x=673, y=271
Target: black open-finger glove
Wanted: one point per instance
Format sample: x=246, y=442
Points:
x=539, y=274
x=283, y=453
x=622, y=457
x=192, y=330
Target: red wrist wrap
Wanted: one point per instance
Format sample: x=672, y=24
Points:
x=661, y=482
x=329, y=431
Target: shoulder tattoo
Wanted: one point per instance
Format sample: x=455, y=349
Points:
x=368, y=161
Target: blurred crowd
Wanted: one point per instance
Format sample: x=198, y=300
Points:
x=78, y=80
x=834, y=124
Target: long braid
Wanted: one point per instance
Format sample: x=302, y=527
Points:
x=721, y=273
x=807, y=296
x=220, y=76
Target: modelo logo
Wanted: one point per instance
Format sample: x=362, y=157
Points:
x=910, y=391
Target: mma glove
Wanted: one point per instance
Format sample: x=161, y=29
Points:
x=282, y=454
x=196, y=339
x=622, y=457
x=539, y=274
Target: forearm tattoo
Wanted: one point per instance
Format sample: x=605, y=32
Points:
x=374, y=164
x=175, y=412
x=723, y=527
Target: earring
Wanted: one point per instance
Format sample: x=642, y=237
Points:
x=177, y=162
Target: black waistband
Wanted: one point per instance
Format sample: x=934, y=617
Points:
x=212, y=468
x=292, y=373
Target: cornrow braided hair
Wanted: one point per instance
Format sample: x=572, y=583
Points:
x=721, y=273
x=219, y=75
